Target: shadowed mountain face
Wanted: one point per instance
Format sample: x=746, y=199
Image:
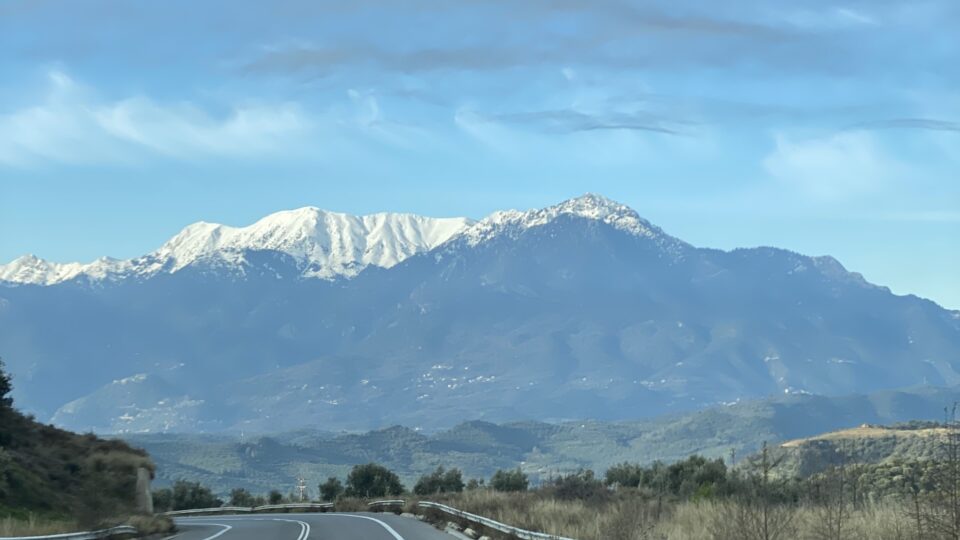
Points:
x=582, y=310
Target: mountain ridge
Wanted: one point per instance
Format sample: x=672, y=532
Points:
x=327, y=244
x=579, y=310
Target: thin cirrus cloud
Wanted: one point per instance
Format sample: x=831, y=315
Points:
x=71, y=126
x=908, y=123
x=572, y=121
x=831, y=168
x=609, y=35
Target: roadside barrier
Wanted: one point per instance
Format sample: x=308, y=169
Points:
x=244, y=509
x=387, y=504
x=491, y=524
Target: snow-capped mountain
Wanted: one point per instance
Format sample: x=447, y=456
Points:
x=512, y=223
x=324, y=244
x=579, y=310
x=330, y=245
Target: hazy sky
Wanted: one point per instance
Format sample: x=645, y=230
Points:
x=822, y=127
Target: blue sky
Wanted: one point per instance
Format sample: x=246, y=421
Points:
x=822, y=127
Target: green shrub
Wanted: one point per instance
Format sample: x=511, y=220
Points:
x=372, y=480
x=581, y=485
x=440, y=481
x=242, y=497
x=331, y=489
x=192, y=495
x=514, y=480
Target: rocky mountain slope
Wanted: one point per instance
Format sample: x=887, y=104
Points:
x=579, y=310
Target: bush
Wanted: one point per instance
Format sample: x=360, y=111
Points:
x=514, y=480
x=275, y=497
x=581, y=485
x=695, y=475
x=191, y=495
x=372, y=480
x=331, y=489
x=151, y=525
x=242, y=497
x=440, y=481
x=624, y=475
x=163, y=500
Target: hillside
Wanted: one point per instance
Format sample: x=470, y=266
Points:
x=261, y=463
x=49, y=471
x=579, y=310
x=871, y=445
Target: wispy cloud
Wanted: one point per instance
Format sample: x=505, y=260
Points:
x=908, y=123
x=821, y=38
x=836, y=167
x=71, y=125
x=571, y=121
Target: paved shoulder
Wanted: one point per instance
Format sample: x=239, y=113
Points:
x=370, y=526
x=410, y=528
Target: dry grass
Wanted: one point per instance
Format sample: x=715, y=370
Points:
x=632, y=517
x=731, y=521
x=33, y=525
x=868, y=432
x=151, y=525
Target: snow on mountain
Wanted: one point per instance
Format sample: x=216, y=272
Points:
x=326, y=244
x=589, y=206
x=330, y=244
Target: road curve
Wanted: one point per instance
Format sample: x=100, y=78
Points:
x=330, y=526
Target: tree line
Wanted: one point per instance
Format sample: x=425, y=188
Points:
x=366, y=481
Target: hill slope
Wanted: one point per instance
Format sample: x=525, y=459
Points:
x=47, y=470
x=541, y=449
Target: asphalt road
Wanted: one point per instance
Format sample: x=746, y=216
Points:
x=331, y=526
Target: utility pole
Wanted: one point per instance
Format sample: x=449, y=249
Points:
x=302, y=486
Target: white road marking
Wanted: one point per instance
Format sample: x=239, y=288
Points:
x=304, y=532
x=225, y=529
x=304, y=527
x=382, y=524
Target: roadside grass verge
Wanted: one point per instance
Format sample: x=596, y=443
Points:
x=631, y=516
x=35, y=525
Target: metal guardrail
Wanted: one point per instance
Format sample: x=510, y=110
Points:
x=489, y=523
x=293, y=506
x=88, y=535
x=390, y=502
x=245, y=509
x=221, y=509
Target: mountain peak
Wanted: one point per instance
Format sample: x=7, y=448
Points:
x=593, y=204
x=588, y=206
